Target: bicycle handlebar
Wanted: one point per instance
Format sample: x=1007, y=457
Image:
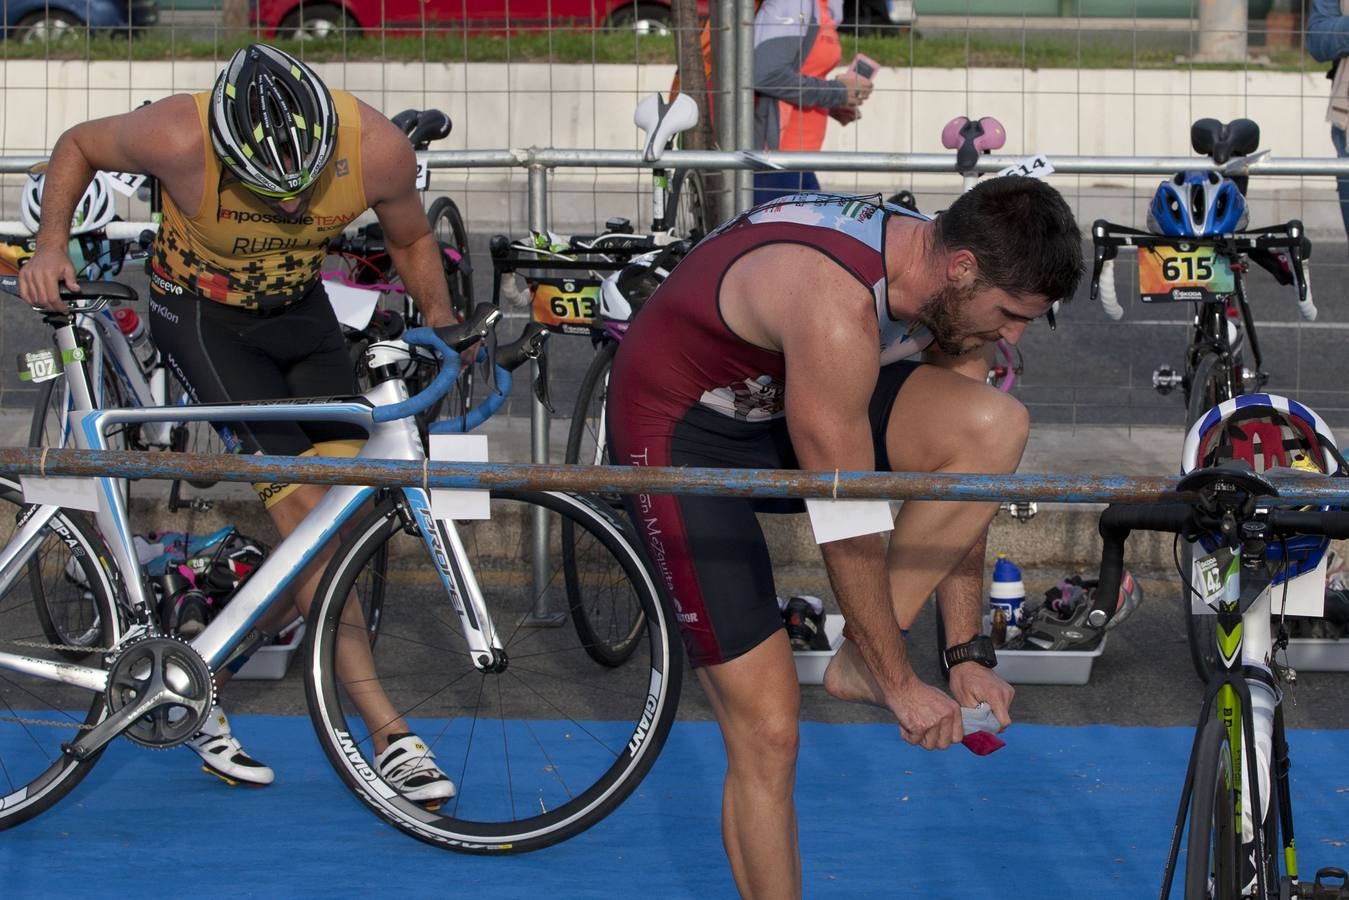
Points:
x=449, y=341
x=1107, y=238
x=1117, y=521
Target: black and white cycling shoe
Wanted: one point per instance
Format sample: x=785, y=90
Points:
x=223, y=756
x=407, y=764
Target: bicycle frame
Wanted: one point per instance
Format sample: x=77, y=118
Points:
x=233, y=632
x=1245, y=642
x=109, y=343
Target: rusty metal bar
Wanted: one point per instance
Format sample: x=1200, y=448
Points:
x=622, y=479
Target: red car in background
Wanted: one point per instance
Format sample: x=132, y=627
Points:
x=301, y=19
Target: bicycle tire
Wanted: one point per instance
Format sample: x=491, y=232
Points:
x=447, y=224
x=585, y=435
x=609, y=631
x=1213, y=846
x=37, y=716
x=540, y=751
x=1208, y=387
x=693, y=218
x=49, y=426
x=62, y=623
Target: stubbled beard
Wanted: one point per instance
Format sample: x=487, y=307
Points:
x=944, y=316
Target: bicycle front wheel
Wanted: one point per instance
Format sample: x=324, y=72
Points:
x=1214, y=842
x=539, y=750
x=1210, y=384
x=38, y=715
x=609, y=626
x=448, y=226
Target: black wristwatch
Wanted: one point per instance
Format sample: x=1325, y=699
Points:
x=977, y=649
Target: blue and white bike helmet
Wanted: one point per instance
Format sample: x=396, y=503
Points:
x=1197, y=203
x=1268, y=432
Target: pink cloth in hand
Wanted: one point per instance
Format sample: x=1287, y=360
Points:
x=982, y=743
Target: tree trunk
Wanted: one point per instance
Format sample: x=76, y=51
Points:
x=693, y=81
x=234, y=17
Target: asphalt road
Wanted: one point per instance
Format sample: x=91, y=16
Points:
x=1090, y=371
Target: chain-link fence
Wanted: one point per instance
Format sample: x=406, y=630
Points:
x=1067, y=79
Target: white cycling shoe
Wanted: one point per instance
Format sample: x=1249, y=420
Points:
x=223, y=756
x=407, y=764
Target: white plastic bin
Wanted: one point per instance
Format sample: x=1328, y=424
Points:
x=810, y=664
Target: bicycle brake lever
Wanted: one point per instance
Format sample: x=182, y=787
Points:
x=541, y=385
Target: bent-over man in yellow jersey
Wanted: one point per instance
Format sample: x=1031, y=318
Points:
x=257, y=175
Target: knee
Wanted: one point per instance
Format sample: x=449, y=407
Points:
x=993, y=430
x=770, y=746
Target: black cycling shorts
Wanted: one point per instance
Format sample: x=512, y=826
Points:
x=224, y=354
x=709, y=551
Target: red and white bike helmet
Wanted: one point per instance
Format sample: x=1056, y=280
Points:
x=1268, y=432
x=95, y=209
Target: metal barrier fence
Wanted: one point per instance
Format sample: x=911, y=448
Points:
x=762, y=483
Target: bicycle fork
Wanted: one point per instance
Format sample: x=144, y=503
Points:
x=460, y=582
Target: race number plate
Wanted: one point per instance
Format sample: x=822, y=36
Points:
x=1172, y=274
x=44, y=365
x=569, y=305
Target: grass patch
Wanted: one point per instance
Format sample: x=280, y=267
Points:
x=589, y=46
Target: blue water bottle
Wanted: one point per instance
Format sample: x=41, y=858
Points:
x=1008, y=591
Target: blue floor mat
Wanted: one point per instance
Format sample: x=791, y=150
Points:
x=1060, y=812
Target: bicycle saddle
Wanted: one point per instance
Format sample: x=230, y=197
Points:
x=1221, y=141
x=661, y=121
x=406, y=120
x=432, y=125
x=969, y=138
x=422, y=126
x=107, y=292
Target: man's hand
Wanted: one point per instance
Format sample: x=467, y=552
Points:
x=858, y=87
x=973, y=684
x=927, y=716
x=41, y=279
x=845, y=115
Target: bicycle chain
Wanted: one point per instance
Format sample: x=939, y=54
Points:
x=50, y=723
x=22, y=720
x=35, y=645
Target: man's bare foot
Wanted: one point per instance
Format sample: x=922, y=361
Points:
x=848, y=678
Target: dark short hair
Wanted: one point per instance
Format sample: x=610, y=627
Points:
x=1022, y=233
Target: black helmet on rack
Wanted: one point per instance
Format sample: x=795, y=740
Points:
x=272, y=121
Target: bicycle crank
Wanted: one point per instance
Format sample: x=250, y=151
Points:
x=160, y=691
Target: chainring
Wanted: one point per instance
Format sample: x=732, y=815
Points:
x=151, y=664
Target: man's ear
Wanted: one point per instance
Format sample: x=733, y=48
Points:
x=961, y=267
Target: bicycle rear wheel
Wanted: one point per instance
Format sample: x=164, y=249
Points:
x=69, y=619
x=609, y=626
x=36, y=715
x=1210, y=384
x=1213, y=847
x=540, y=750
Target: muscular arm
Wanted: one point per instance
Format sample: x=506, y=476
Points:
x=161, y=139
x=832, y=359
x=390, y=171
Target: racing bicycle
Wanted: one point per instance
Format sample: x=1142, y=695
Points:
x=1198, y=251
x=1235, y=816
x=541, y=742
